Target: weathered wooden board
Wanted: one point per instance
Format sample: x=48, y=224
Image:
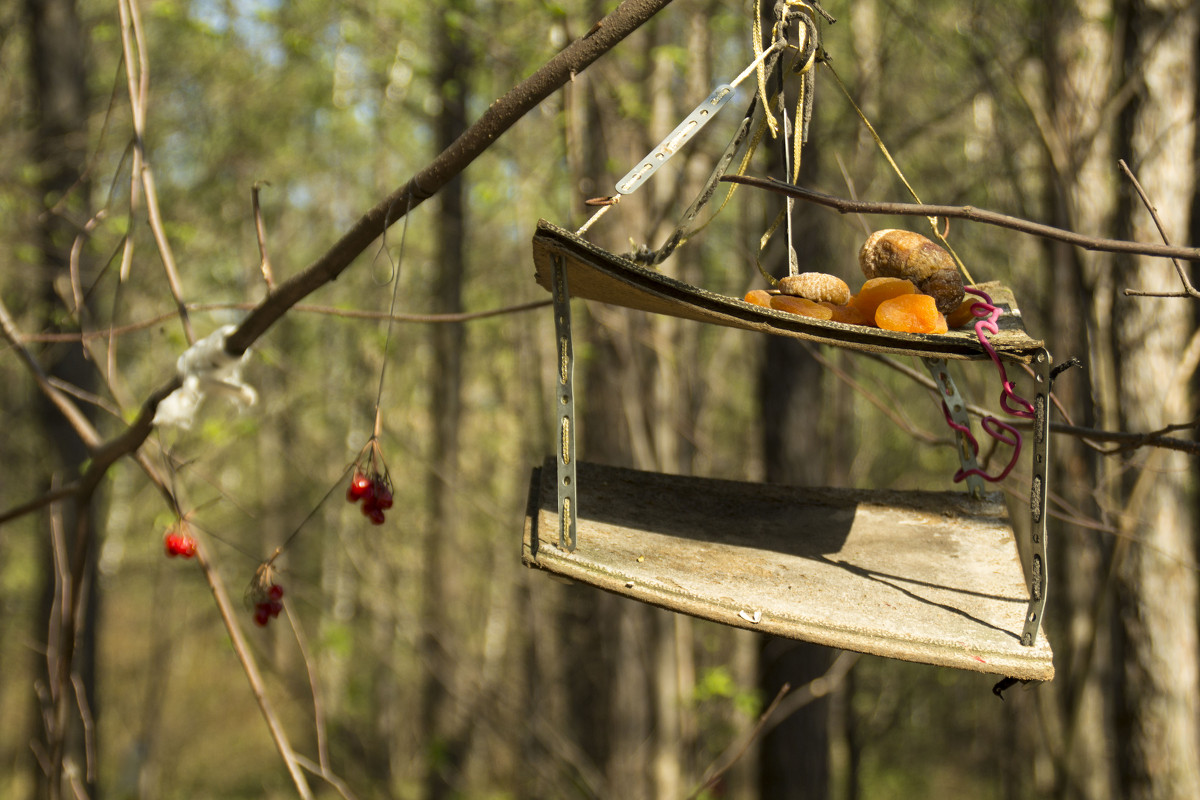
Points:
x=932, y=577
x=595, y=274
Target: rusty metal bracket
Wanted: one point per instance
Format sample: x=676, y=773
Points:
x=1037, y=576
x=568, y=506
x=939, y=371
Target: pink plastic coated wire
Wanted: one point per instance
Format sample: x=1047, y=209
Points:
x=987, y=315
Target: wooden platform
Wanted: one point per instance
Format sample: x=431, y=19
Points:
x=931, y=577
x=595, y=274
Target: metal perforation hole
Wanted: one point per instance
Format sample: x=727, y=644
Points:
x=1035, y=499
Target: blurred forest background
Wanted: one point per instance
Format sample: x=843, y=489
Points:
x=419, y=658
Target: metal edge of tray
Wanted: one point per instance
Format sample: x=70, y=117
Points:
x=596, y=274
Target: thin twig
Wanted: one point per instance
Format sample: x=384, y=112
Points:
x=314, y=687
x=89, y=725
x=64, y=404
x=499, y=117
x=260, y=231
x=476, y=139
x=1189, y=290
x=139, y=89
x=51, y=496
x=817, y=688
x=225, y=607
x=1128, y=440
x=304, y=308
x=731, y=755
x=844, y=206
x=333, y=780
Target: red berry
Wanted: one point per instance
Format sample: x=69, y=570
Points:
x=262, y=615
x=274, y=607
x=180, y=544
x=383, y=495
x=360, y=487
x=375, y=515
x=275, y=592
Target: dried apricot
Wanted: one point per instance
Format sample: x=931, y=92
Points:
x=962, y=315
x=798, y=305
x=910, y=313
x=876, y=290
x=846, y=313
x=758, y=297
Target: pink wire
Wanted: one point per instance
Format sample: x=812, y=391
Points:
x=987, y=314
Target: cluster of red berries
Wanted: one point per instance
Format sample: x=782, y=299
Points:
x=269, y=607
x=375, y=491
x=180, y=543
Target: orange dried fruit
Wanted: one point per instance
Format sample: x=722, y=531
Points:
x=910, y=313
x=798, y=305
x=962, y=315
x=758, y=297
x=876, y=290
x=846, y=313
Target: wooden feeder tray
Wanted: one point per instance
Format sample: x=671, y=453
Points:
x=932, y=577
x=595, y=274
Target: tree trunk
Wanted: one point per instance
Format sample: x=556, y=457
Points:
x=1160, y=698
x=444, y=737
x=794, y=756
x=57, y=53
x=1078, y=57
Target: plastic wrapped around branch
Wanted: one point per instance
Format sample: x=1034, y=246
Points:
x=205, y=368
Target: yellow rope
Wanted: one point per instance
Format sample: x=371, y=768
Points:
x=933, y=221
x=761, y=70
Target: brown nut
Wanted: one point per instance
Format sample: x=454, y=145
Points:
x=903, y=254
x=816, y=286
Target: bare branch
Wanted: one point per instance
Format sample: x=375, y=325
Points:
x=973, y=214
x=1189, y=290
x=137, y=71
x=250, y=667
x=260, y=230
x=498, y=118
x=731, y=756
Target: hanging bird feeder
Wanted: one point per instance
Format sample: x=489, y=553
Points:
x=937, y=577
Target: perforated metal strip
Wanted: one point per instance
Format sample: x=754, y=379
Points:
x=568, y=507
x=1038, y=577
x=958, y=412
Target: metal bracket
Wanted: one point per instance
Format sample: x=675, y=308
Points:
x=568, y=507
x=1038, y=576
x=958, y=412
x=676, y=139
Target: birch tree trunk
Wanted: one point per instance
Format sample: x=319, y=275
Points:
x=1080, y=78
x=1159, y=737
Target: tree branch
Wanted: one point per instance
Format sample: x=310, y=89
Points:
x=499, y=117
x=971, y=213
